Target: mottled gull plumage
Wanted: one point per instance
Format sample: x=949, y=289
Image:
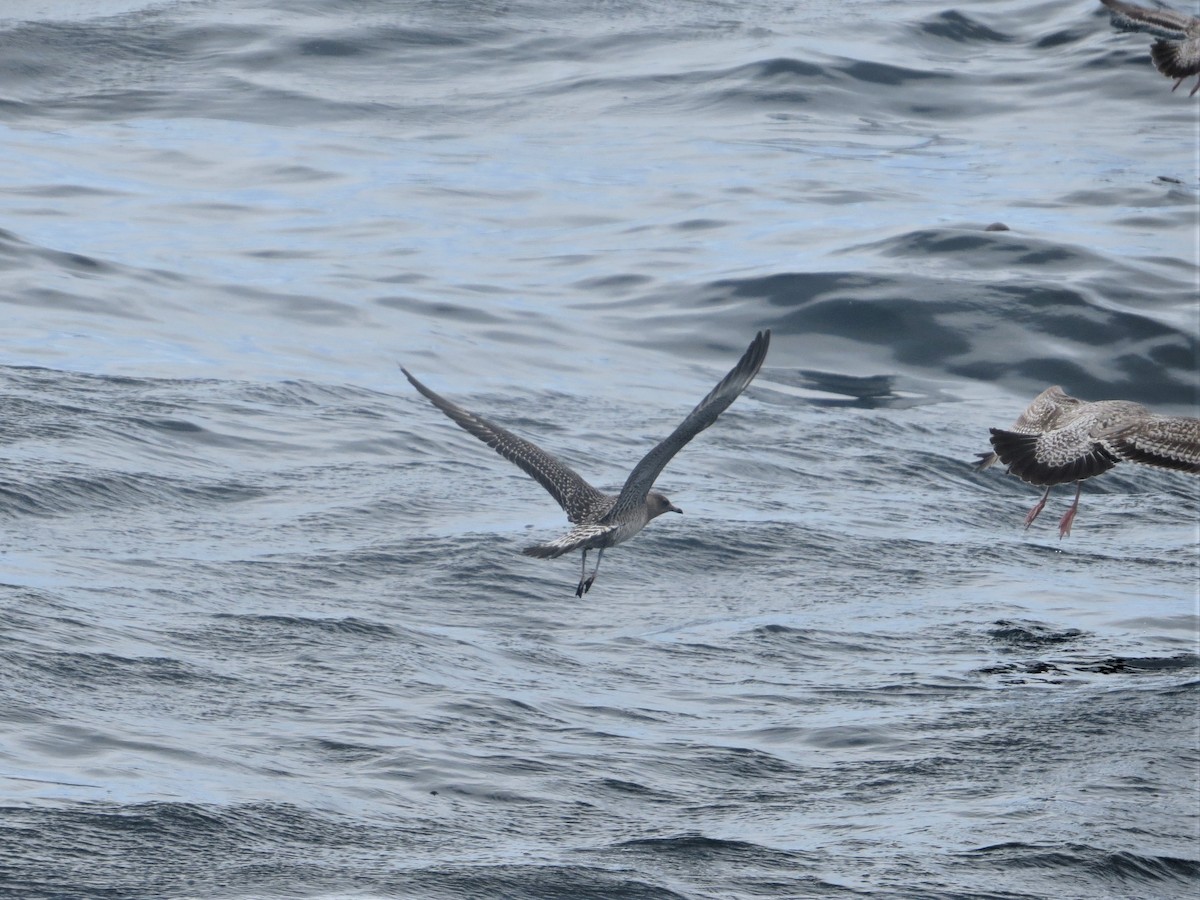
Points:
x=1061, y=439
x=602, y=520
x=1176, y=53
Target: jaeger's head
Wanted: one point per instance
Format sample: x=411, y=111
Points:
x=659, y=504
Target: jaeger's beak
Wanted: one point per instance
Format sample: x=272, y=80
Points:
x=674, y=508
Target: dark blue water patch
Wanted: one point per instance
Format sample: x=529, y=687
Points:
x=837, y=739
x=1024, y=636
x=624, y=789
x=782, y=644
x=1028, y=672
x=33, y=53
x=178, y=426
x=224, y=41
x=503, y=714
x=93, y=672
x=1063, y=37
x=383, y=40
x=1002, y=250
x=271, y=635
x=1181, y=663
x=782, y=67
x=699, y=849
x=145, y=64
x=182, y=850
x=114, y=493
x=290, y=394
x=24, y=256
x=892, y=76
x=729, y=867
x=609, y=284
x=327, y=628
x=343, y=753
x=884, y=391
x=619, y=714
x=959, y=28
x=1080, y=866
x=926, y=324
x=1069, y=667
x=742, y=766
x=17, y=254
x=848, y=304
x=446, y=311
x=536, y=882
x=778, y=82
x=783, y=84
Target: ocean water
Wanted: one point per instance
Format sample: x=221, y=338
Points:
x=265, y=626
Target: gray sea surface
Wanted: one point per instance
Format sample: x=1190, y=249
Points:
x=265, y=626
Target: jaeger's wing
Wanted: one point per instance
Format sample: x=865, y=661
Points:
x=642, y=478
x=574, y=495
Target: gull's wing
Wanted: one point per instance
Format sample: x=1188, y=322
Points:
x=574, y=495
x=1043, y=414
x=641, y=479
x=1162, y=22
x=1177, y=59
x=1053, y=457
x=1169, y=442
x=1046, y=411
x=1075, y=443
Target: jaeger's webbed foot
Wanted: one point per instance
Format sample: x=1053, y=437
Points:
x=583, y=587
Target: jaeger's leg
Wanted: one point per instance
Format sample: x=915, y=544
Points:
x=1037, y=508
x=1064, y=527
x=579, y=591
x=587, y=585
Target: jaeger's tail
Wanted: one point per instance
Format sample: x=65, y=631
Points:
x=577, y=538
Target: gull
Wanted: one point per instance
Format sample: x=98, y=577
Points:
x=602, y=520
x=1176, y=53
x=1061, y=439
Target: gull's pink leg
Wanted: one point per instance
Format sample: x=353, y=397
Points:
x=1064, y=527
x=1038, y=507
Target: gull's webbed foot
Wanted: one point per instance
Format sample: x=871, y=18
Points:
x=1037, y=508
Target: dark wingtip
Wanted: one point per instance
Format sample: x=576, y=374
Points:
x=1166, y=57
x=756, y=353
x=1129, y=451
x=1019, y=453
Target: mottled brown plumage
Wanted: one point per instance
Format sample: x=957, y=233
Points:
x=1061, y=439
